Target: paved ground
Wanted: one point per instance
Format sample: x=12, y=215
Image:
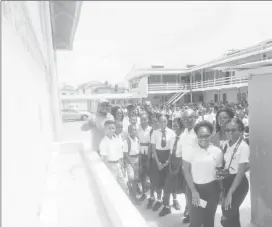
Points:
x=71, y=131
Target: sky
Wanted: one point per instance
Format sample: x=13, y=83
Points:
x=112, y=37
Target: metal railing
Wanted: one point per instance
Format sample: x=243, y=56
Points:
x=170, y=87
x=199, y=85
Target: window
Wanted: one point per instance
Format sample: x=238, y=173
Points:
x=169, y=79
x=215, y=98
x=200, y=98
x=224, y=98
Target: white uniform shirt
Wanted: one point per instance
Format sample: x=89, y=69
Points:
x=156, y=138
x=245, y=122
x=135, y=146
x=210, y=117
x=187, y=140
x=241, y=156
x=204, y=163
x=111, y=147
x=144, y=137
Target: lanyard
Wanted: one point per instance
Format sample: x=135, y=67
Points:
x=235, y=151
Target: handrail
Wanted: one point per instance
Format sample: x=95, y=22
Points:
x=234, y=80
x=179, y=97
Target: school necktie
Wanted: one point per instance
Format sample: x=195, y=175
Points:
x=163, y=140
x=175, y=145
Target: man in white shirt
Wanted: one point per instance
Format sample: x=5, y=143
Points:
x=187, y=140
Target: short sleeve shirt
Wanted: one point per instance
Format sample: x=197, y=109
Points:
x=111, y=147
x=203, y=163
x=241, y=156
x=156, y=138
x=187, y=140
x=135, y=146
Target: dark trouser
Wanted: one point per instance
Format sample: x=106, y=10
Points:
x=231, y=217
x=143, y=171
x=205, y=216
x=188, y=198
x=166, y=198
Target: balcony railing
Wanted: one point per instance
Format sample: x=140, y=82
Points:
x=169, y=87
x=225, y=82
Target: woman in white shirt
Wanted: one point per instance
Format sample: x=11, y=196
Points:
x=199, y=167
x=223, y=117
x=235, y=182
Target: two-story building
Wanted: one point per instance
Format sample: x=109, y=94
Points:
x=85, y=97
x=209, y=82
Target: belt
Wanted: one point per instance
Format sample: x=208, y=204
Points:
x=144, y=144
x=134, y=156
x=114, y=162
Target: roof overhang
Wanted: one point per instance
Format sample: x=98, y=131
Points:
x=64, y=20
x=255, y=50
x=246, y=66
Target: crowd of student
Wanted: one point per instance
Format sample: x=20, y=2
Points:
x=201, y=151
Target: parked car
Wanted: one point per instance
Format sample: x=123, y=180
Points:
x=74, y=115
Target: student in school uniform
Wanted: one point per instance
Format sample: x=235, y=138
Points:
x=160, y=142
x=111, y=153
x=131, y=156
x=200, y=163
x=174, y=181
x=235, y=182
x=143, y=134
x=152, y=165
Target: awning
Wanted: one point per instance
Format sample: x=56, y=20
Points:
x=64, y=19
x=251, y=65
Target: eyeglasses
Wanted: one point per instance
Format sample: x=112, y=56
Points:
x=233, y=130
x=206, y=137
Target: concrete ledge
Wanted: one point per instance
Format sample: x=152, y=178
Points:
x=121, y=211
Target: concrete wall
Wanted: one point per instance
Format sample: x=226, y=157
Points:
x=28, y=124
x=260, y=146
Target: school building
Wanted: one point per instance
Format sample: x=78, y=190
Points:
x=213, y=81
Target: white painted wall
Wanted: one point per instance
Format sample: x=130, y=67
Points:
x=231, y=94
x=27, y=126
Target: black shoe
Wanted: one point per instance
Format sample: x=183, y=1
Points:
x=186, y=219
x=157, y=206
x=176, y=204
x=150, y=203
x=143, y=197
x=165, y=211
